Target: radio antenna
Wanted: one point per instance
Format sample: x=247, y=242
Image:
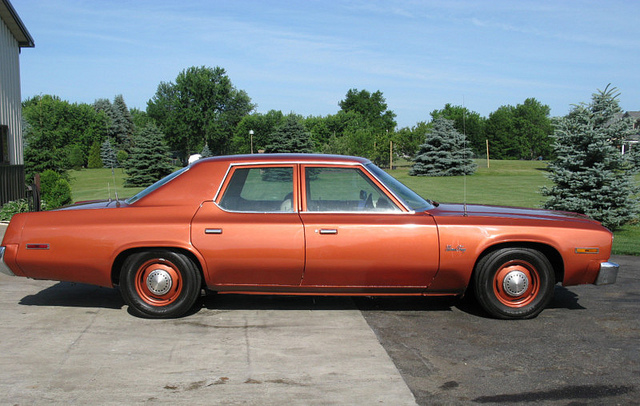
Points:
x=115, y=189
x=464, y=158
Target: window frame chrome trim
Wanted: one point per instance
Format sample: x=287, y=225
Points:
x=299, y=164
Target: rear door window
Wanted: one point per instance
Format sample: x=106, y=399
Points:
x=260, y=189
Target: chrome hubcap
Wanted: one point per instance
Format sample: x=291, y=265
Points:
x=159, y=282
x=515, y=283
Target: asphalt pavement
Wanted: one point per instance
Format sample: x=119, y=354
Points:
x=583, y=349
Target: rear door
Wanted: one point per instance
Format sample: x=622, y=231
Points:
x=252, y=234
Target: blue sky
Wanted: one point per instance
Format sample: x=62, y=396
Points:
x=303, y=56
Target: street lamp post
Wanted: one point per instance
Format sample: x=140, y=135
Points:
x=251, y=136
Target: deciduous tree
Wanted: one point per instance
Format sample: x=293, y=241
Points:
x=53, y=127
x=262, y=125
x=202, y=106
x=372, y=107
x=520, y=132
x=407, y=140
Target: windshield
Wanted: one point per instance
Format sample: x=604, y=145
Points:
x=155, y=186
x=408, y=196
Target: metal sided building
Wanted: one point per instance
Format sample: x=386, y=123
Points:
x=13, y=37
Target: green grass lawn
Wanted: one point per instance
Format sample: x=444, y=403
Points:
x=507, y=183
x=99, y=184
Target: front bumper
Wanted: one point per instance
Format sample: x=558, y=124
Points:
x=3, y=267
x=608, y=273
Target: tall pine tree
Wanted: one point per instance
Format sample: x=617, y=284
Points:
x=444, y=152
x=291, y=136
x=108, y=155
x=122, y=122
x=149, y=159
x=590, y=175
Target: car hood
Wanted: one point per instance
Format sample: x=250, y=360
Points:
x=474, y=210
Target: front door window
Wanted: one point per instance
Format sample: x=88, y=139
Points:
x=331, y=189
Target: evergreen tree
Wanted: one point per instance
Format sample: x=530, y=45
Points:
x=206, y=152
x=590, y=175
x=104, y=106
x=291, y=136
x=108, y=155
x=122, y=122
x=444, y=152
x=149, y=159
x=120, y=126
x=470, y=123
x=75, y=156
x=634, y=158
x=94, y=156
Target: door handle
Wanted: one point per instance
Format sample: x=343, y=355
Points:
x=213, y=231
x=328, y=231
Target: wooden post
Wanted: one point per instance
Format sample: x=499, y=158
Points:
x=487, y=153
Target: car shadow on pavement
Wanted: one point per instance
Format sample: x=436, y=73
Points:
x=563, y=298
x=214, y=301
x=68, y=294
x=406, y=303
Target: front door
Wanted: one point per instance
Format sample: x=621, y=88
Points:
x=357, y=237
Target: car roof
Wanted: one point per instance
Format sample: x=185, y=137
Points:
x=288, y=158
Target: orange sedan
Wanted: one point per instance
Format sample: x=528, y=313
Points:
x=310, y=225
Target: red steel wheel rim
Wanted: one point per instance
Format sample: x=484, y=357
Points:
x=158, y=282
x=516, y=283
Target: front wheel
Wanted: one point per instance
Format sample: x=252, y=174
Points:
x=159, y=284
x=514, y=283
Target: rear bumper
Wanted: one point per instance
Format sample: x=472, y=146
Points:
x=608, y=273
x=3, y=267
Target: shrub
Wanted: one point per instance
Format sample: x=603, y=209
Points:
x=13, y=207
x=122, y=157
x=55, y=190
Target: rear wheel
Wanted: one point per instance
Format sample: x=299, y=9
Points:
x=514, y=283
x=160, y=283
